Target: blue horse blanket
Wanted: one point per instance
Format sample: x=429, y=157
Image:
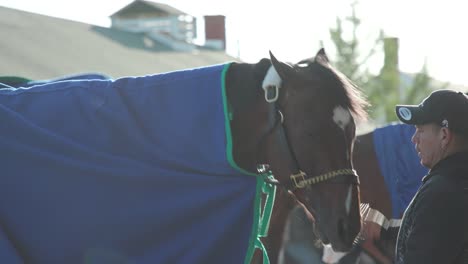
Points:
x=399, y=164
x=133, y=170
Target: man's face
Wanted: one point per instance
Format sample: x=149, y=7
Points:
x=427, y=140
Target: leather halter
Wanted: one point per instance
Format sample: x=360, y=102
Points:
x=300, y=179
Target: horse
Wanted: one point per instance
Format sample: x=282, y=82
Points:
x=390, y=174
x=284, y=126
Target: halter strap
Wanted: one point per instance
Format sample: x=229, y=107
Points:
x=299, y=180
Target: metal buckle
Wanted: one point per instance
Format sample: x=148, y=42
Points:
x=263, y=168
x=300, y=183
x=269, y=89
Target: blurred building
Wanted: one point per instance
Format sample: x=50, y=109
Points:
x=145, y=38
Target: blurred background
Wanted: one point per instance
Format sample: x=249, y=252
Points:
x=395, y=51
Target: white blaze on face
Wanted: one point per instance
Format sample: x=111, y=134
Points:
x=341, y=117
x=348, y=200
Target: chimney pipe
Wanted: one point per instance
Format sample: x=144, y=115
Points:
x=215, y=32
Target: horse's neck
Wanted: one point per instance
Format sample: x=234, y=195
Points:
x=257, y=140
x=250, y=144
x=284, y=203
x=250, y=114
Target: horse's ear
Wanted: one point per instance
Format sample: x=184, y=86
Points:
x=284, y=70
x=322, y=57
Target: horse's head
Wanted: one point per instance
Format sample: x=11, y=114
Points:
x=318, y=106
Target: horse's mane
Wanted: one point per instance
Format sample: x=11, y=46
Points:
x=348, y=94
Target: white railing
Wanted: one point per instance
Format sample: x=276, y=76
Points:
x=175, y=44
x=180, y=30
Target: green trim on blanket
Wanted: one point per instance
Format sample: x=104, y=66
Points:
x=261, y=221
x=12, y=80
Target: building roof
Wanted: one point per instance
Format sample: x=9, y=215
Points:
x=140, y=5
x=42, y=47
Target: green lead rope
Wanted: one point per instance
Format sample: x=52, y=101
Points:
x=269, y=190
x=264, y=220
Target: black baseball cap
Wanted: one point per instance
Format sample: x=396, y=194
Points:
x=446, y=108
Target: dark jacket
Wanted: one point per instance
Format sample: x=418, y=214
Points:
x=434, y=226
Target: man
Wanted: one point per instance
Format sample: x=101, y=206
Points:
x=434, y=226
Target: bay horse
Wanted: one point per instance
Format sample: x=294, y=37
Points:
x=390, y=174
x=308, y=131
x=98, y=196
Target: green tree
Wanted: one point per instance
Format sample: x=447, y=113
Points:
x=385, y=89
x=389, y=89
x=386, y=86
x=348, y=58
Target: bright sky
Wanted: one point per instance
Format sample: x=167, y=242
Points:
x=428, y=30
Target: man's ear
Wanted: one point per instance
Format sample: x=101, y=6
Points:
x=446, y=136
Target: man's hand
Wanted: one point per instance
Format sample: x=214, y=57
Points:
x=370, y=232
